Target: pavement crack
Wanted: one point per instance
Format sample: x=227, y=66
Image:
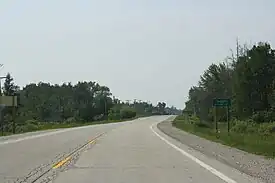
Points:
x=47, y=172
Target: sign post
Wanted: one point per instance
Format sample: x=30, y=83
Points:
x=13, y=114
x=215, y=118
x=2, y=106
x=228, y=119
x=8, y=101
x=222, y=102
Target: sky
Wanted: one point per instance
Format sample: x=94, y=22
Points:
x=151, y=50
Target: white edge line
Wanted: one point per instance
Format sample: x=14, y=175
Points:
x=11, y=141
x=202, y=164
x=41, y=135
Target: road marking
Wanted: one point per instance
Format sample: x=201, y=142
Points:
x=59, y=164
x=91, y=141
x=204, y=165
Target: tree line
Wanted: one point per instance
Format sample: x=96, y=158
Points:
x=67, y=103
x=247, y=78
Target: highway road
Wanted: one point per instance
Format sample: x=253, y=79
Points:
x=134, y=151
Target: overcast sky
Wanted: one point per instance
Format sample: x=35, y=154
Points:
x=151, y=50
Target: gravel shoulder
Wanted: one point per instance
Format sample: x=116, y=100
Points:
x=254, y=165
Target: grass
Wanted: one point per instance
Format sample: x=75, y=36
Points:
x=255, y=143
x=48, y=126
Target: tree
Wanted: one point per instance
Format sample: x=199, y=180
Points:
x=248, y=80
x=9, y=88
x=161, y=107
x=83, y=102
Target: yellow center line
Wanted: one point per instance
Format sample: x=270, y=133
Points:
x=91, y=141
x=59, y=164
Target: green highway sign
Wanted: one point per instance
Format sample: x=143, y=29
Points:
x=222, y=102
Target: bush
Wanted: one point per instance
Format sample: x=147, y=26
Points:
x=32, y=121
x=31, y=127
x=239, y=127
x=250, y=126
x=181, y=117
x=266, y=128
x=202, y=124
x=114, y=113
x=27, y=128
x=193, y=119
x=70, y=120
x=263, y=116
x=114, y=116
x=127, y=113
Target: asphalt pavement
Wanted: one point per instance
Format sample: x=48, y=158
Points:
x=134, y=151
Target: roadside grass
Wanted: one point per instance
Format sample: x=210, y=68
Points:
x=41, y=126
x=47, y=126
x=253, y=142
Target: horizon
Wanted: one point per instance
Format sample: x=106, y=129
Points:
x=148, y=50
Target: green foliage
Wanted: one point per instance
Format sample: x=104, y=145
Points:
x=126, y=113
x=194, y=119
x=69, y=105
x=258, y=143
x=248, y=80
x=9, y=88
x=114, y=113
x=250, y=127
x=28, y=127
x=263, y=116
x=266, y=128
x=70, y=120
x=202, y=124
x=240, y=127
x=181, y=117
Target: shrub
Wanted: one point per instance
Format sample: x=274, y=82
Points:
x=127, y=113
x=251, y=128
x=114, y=116
x=193, y=119
x=70, y=120
x=114, y=113
x=32, y=121
x=239, y=127
x=202, y=124
x=263, y=116
x=266, y=128
x=31, y=127
x=181, y=117
x=27, y=128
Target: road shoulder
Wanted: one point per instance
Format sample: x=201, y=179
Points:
x=250, y=164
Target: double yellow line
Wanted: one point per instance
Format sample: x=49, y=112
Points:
x=69, y=157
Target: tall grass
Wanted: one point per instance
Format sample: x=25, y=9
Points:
x=256, y=138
